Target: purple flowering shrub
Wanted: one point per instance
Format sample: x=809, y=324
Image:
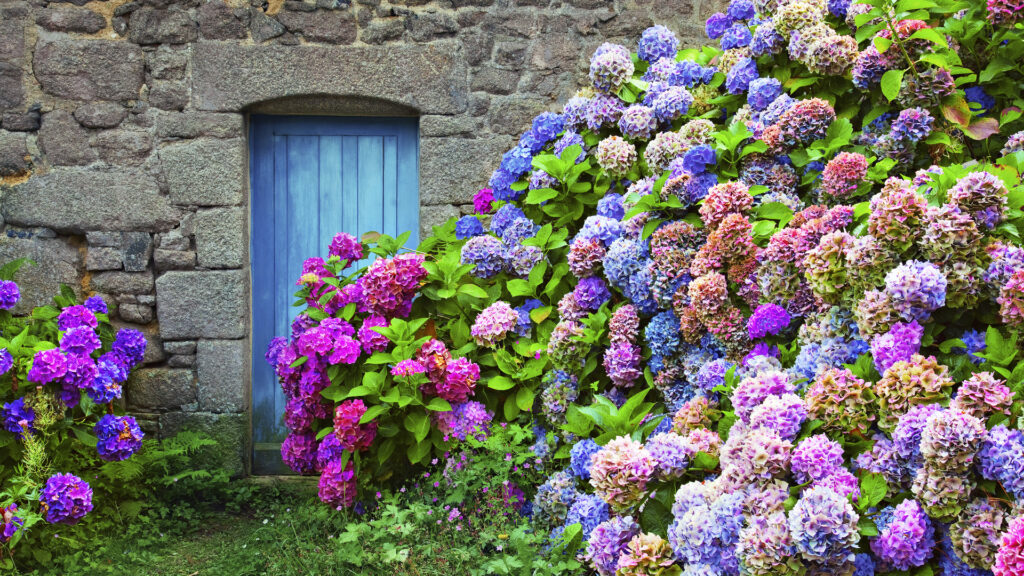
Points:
x=62, y=373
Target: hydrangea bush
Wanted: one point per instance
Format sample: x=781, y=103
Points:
x=762, y=300
x=62, y=371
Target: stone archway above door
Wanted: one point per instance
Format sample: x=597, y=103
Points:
x=430, y=78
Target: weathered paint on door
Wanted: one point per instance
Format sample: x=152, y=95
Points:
x=311, y=178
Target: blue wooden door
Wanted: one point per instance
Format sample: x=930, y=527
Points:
x=313, y=177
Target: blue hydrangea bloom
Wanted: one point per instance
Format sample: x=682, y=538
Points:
x=467, y=227
x=6, y=361
x=741, y=75
x=657, y=42
x=766, y=40
x=547, y=125
x=717, y=24
x=691, y=73
x=839, y=8
x=662, y=333
x=524, y=323
x=741, y=9
x=611, y=206
x=697, y=159
x=588, y=510
x=14, y=413
x=737, y=36
x=762, y=92
x=504, y=218
x=975, y=342
x=982, y=101
x=517, y=161
x=579, y=457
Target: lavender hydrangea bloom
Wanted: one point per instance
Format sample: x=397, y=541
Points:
x=608, y=541
x=784, y=414
x=913, y=124
x=916, y=289
x=906, y=436
x=815, y=458
x=672, y=103
x=9, y=294
x=708, y=533
x=119, y=437
x=717, y=24
x=766, y=40
x=65, y=499
x=823, y=525
x=610, y=206
x=712, y=374
x=657, y=42
x=762, y=92
x=906, y=538
x=669, y=451
x=487, y=253
x=1001, y=458
x=741, y=9
x=737, y=36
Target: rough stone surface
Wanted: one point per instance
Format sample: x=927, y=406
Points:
x=448, y=167
x=57, y=262
x=64, y=141
x=13, y=153
x=136, y=313
x=174, y=259
x=167, y=63
x=192, y=124
x=100, y=258
x=218, y=22
x=206, y=172
x=332, y=27
x=122, y=282
x=167, y=95
x=15, y=121
x=221, y=237
x=138, y=247
x=128, y=147
x=151, y=26
x=75, y=200
x=12, y=49
x=222, y=369
x=229, y=77
x=180, y=347
x=66, y=19
x=89, y=69
x=160, y=388
x=100, y=114
x=202, y=304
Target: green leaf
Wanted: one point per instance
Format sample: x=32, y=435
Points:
x=881, y=43
x=518, y=287
x=891, y=82
x=418, y=424
x=473, y=290
x=541, y=195
x=541, y=314
x=524, y=399
x=500, y=383
x=324, y=432
x=704, y=461
x=418, y=451
x=932, y=36
x=439, y=405
x=873, y=488
x=373, y=412
x=85, y=438
x=866, y=527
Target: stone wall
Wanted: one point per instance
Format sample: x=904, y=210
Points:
x=123, y=152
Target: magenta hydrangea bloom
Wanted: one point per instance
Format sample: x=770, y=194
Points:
x=80, y=340
x=372, y=340
x=299, y=452
x=74, y=316
x=346, y=351
x=65, y=499
x=47, y=366
x=899, y=344
x=328, y=449
x=337, y=485
x=346, y=247
x=1010, y=557
x=119, y=437
x=608, y=542
x=459, y=380
x=352, y=435
x=9, y=294
x=407, y=368
x=768, y=319
x=390, y=284
x=906, y=537
x=483, y=201
x=494, y=323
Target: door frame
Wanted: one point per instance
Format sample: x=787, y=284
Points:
x=261, y=129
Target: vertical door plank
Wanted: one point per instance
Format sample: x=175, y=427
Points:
x=263, y=276
x=371, y=184
x=331, y=206
x=389, y=188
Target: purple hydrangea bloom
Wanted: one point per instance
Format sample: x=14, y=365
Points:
x=913, y=124
x=129, y=346
x=906, y=539
x=487, y=253
x=741, y=9
x=708, y=533
x=504, y=217
x=739, y=77
x=65, y=499
x=736, y=36
x=591, y=293
x=672, y=103
x=608, y=541
x=518, y=230
x=82, y=371
x=657, y=42
x=274, y=348
x=717, y=24
x=766, y=40
x=823, y=525
x=839, y=9
x=74, y=316
x=329, y=449
x=916, y=289
x=468, y=227
x=767, y=319
x=816, y=457
x=669, y=451
x=298, y=451
x=712, y=374
x=762, y=92
x=96, y=304
x=1001, y=458
x=580, y=457
x=602, y=228
x=16, y=417
x=9, y=523
x=6, y=361
x=119, y=437
x=80, y=340
x=901, y=342
x=690, y=73
x=465, y=419
x=9, y=294
x=47, y=366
